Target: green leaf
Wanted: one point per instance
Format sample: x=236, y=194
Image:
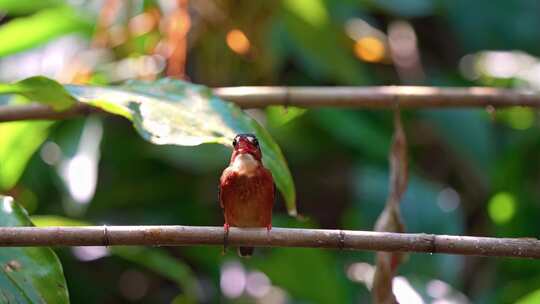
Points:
x=53, y=220
x=280, y=115
x=18, y=142
x=18, y=7
x=41, y=89
x=170, y=112
x=531, y=298
x=28, y=32
x=175, y=112
x=28, y=274
x=156, y=259
x=311, y=11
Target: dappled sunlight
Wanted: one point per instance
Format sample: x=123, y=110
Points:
x=364, y=273
x=404, y=292
x=443, y=293
x=7, y=204
x=89, y=253
x=80, y=172
x=486, y=66
x=361, y=273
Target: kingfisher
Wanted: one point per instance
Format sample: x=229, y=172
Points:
x=246, y=189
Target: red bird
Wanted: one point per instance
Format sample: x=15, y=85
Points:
x=246, y=189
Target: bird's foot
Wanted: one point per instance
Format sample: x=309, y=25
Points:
x=268, y=228
x=225, y=238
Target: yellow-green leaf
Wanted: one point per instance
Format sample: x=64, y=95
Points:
x=41, y=89
x=28, y=32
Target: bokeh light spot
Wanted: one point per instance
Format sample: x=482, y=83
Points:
x=51, y=153
x=448, y=199
x=369, y=49
x=133, y=285
x=233, y=280
x=502, y=207
x=7, y=205
x=89, y=253
x=238, y=41
x=404, y=291
x=257, y=284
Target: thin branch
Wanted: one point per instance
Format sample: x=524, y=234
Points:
x=378, y=97
x=40, y=111
x=315, y=97
x=277, y=237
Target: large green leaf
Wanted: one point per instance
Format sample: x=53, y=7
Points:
x=28, y=274
x=41, y=89
x=531, y=298
x=155, y=259
x=18, y=142
x=27, y=32
x=19, y=7
x=175, y=112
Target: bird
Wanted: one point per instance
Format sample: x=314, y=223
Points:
x=246, y=189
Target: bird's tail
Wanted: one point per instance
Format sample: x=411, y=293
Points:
x=245, y=252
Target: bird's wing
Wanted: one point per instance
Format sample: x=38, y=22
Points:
x=224, y=181
x=268, y=176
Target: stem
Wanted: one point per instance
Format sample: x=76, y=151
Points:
x=314, y=97
x=377, y=97
x=277, y=237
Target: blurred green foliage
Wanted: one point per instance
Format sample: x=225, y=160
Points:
x=473, y=172
x=29, y=275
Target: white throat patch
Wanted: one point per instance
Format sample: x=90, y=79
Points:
x=245, y=164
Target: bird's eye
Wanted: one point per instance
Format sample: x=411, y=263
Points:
x=253, y=140
x=234, y=143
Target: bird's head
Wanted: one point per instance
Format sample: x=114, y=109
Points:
x=246, y=143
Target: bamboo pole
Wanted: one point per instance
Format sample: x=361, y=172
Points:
x=316, y=97
x=277, y=237
x=378, y=97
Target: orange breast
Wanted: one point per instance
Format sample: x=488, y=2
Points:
x=247, y=200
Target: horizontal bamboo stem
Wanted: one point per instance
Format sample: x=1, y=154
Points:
x=378, y=97
x=277, y=237
x=315, y=97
